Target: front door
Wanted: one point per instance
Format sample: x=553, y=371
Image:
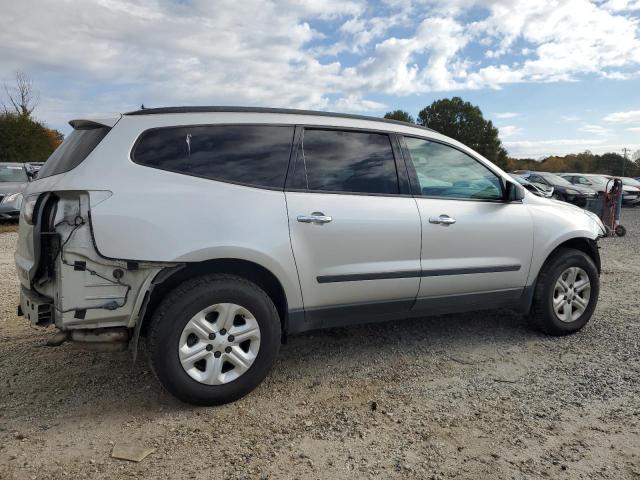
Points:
x=355, y=235
x=475, y=246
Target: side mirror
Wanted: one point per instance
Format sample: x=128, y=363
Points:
x=512, y=191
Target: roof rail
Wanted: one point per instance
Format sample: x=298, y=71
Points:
x=291, y=111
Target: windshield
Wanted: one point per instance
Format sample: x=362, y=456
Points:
x=519, y=179
x=12, y=173
x=556, y=180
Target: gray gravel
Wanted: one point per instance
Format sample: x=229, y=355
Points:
x=460, y=396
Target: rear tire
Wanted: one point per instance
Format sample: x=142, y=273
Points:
x=566, y=292
x=195, y=312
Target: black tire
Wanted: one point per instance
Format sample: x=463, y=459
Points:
x=180, y=306
x=557, y=196
x=620, y=231
x=542, y=313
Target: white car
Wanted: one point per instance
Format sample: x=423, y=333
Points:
x=214, y=232
x=603, y=183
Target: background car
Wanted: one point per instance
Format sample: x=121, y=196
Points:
x=33, y=168
x=535, y=188
x=600, y=183
x=13, y=180
x=562, y=188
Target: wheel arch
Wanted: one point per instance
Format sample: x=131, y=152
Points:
x=170, y=278
x=584, y=244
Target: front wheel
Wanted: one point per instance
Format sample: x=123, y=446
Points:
x=566, y=292
x=213, y=339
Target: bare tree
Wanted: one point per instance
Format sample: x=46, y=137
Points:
x=22, y=97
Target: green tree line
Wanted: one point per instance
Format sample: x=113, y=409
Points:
x=22, y=137
x=465, y=122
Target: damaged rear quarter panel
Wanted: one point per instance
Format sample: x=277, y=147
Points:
x=89, y=290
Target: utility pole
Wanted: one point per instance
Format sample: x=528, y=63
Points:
x=625, y=150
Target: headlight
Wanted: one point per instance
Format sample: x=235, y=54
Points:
x=13, y=198
x=571, y=191
x=28, y=207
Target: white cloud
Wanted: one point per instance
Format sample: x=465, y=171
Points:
x=631, y=116
x=506, y=115
x=509, y=131
x=115, y=54
x=595, y=129
x=634, y=129
x=355, y=103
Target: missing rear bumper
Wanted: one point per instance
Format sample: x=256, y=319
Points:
x=36, y=308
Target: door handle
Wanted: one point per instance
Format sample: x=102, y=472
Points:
x=444, y=220
x=316, y=217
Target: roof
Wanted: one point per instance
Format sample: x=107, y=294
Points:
x=290, y=111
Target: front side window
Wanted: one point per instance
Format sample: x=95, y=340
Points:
x=347, y=161
x=247, y=154
x=444, y=171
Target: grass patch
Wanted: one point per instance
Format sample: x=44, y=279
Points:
x=8, y=227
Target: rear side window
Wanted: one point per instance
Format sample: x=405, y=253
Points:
x=75, y=148
x=247, y=154
x=346, y=161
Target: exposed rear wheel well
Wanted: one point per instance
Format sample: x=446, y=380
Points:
x=253, y=272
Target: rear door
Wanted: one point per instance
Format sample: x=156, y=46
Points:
x=355, y=228
x=475, y=246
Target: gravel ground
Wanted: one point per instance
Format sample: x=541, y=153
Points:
x=459, y=396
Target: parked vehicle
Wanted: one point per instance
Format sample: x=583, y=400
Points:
x=602, y=183
x=13, y=180
x=562, y=189
x=282, y=221
x=33, y=168
x=535, y=188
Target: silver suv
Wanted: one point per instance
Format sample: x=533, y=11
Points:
x=213, y=233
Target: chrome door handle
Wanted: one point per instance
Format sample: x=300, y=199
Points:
x=445, y=220
x=316, y=217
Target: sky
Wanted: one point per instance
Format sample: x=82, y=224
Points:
x=555, y=77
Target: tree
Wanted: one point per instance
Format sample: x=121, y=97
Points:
x=463, y=121
x=23, y=139
x=399, y=115
x=21, y=97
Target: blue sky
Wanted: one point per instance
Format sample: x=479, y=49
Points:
x=555, y=76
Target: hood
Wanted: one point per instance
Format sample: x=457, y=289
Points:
x=12, y=187
x=568, y=211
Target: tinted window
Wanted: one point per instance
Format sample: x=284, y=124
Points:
x=340, y=161
x=444, y=171
x=75, y=148
x=254, y=155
